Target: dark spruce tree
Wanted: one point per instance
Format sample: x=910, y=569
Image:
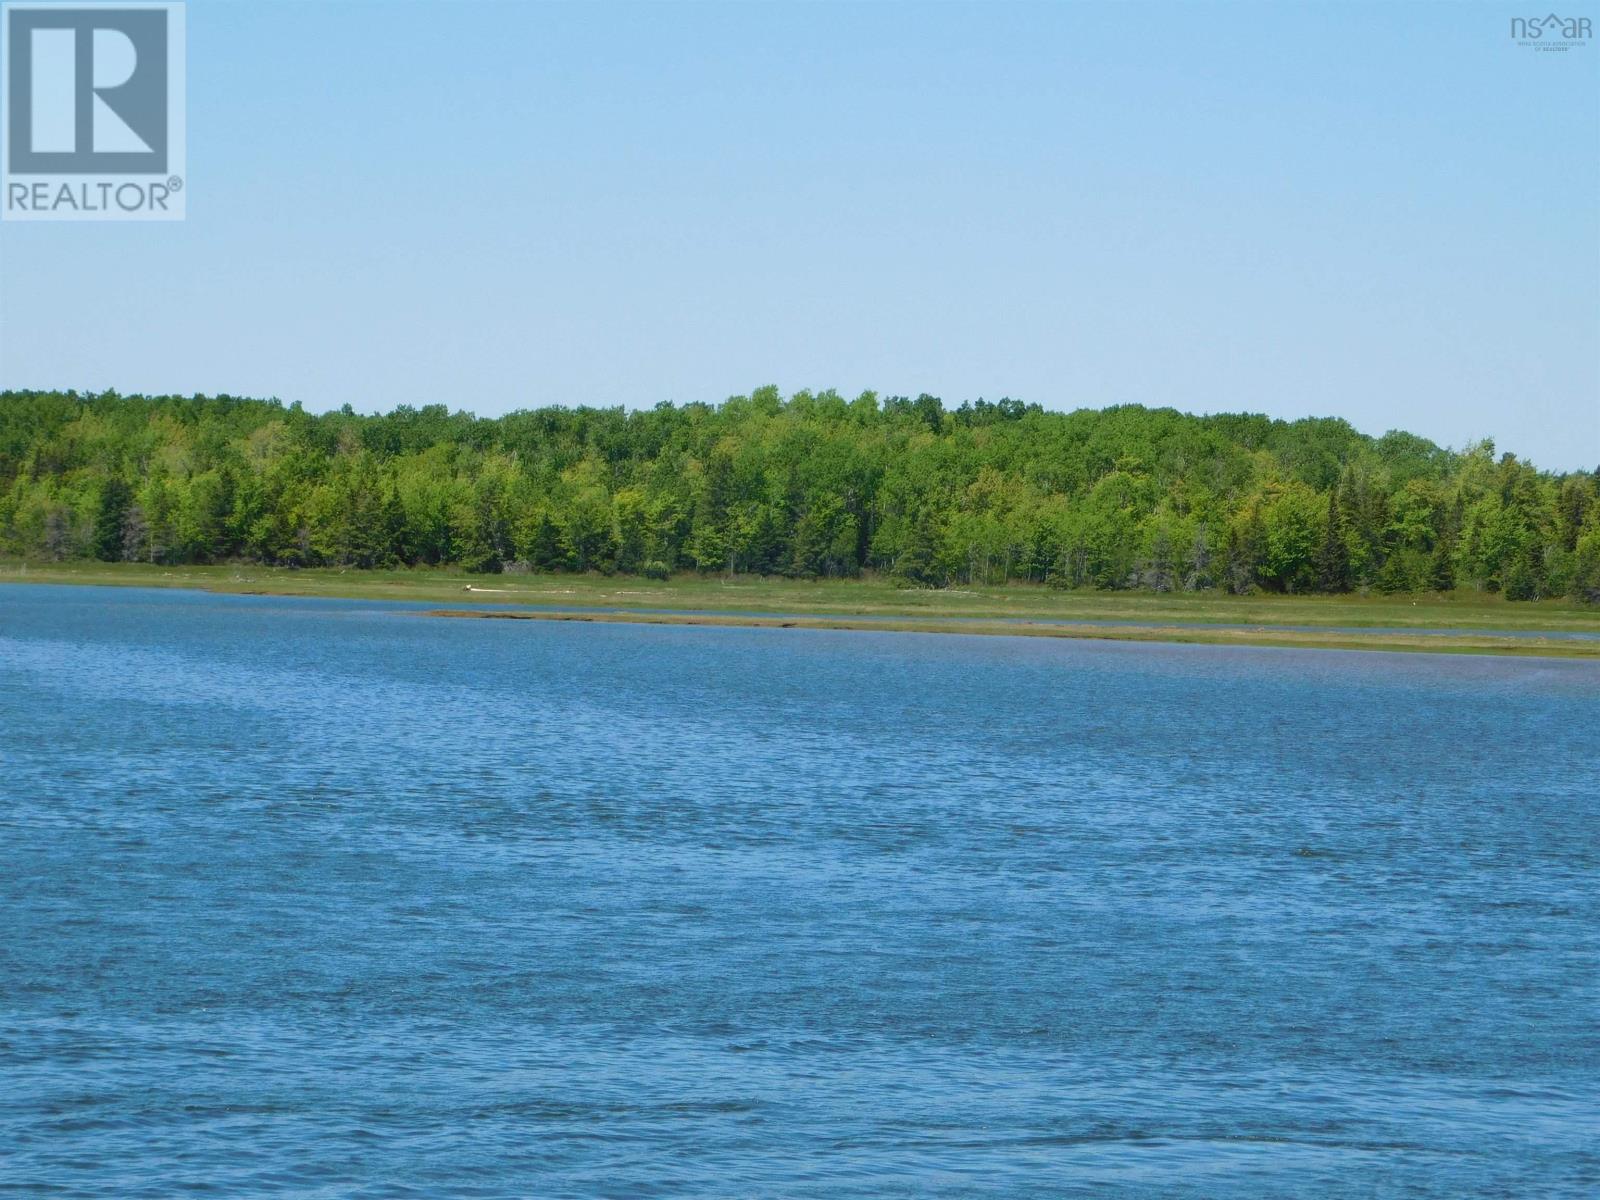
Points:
x=1441, y=567
x=115, y=497
x=1333, y=557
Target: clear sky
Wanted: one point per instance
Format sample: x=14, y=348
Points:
x=1386, y=212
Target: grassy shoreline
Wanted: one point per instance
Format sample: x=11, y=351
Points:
x=1420, y=643
x=832, y=604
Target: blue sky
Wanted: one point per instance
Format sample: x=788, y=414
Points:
x=1385, y=212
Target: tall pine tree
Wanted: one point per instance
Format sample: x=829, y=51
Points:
x=1333, y=558
x=115, y=497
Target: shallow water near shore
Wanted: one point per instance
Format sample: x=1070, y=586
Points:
x=308, y=897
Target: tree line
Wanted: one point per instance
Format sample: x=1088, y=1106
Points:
x=809, y=485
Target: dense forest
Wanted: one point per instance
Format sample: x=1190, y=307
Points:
x=811, y=485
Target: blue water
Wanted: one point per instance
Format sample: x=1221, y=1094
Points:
x=329, y=899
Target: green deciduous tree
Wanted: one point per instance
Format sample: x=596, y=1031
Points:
x=809, y=486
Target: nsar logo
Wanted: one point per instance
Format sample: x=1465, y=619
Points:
x=1550, y=32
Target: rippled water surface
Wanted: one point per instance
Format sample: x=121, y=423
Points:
x=332, y=899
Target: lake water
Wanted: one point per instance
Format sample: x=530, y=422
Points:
x=329, y=898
